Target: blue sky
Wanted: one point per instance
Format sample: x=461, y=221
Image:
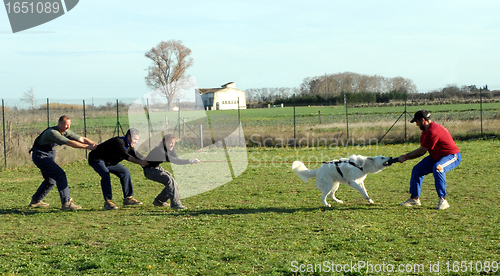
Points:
x=97, y=49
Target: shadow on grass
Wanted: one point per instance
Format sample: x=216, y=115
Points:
x=27, y=211
x=35, y=211
x=243, y=211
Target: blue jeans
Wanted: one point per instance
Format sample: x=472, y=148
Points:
x=52, y=175
x=437, y=168
x=120, y=171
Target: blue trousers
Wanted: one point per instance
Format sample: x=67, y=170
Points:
x=52, y=175
x=120, y=171
x=437, y=168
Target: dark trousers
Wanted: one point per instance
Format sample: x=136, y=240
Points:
x=52, y=175
x=164, y=177
x=120, y=171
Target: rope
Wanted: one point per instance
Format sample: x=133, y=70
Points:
x=308, y=162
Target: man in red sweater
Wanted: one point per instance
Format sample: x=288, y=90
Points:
x=444, y=155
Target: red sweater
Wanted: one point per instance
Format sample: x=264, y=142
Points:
x=438, y=141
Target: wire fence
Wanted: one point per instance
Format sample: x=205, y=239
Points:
x=270, y=126
x=21, y=124
x=389, y=123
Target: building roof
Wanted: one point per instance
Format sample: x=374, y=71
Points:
x=209, y=90
x=231, y=84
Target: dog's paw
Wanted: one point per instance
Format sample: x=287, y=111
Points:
x=339, y=201
x=370, y=201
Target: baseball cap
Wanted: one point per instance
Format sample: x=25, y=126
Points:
x=421, y=114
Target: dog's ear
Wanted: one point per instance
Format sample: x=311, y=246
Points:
x=371, y=159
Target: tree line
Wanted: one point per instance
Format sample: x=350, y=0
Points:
x=355, y=88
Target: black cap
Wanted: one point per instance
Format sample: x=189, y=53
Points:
x=421, y=114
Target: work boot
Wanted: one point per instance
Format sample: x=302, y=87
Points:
x=159, y=203
x=110, y=205
x=131, y=201
x=38, y=204
x=178, y=207
x=70, y=206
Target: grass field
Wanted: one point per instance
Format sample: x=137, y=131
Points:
x=265, y=222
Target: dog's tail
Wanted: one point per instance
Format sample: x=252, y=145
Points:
x=302, y=171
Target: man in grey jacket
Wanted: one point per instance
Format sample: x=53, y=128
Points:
x=165, y=152
x=44, y=154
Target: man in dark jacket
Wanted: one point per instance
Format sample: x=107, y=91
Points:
x=43, y=156
x=165, y=152
x=105, y=159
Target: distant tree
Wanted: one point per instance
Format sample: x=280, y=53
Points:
x=29, y=97
x=336, y=84
x=251, y=95
x=402, y=84
x=449, y=92
x=469, y=88
x=170, y=60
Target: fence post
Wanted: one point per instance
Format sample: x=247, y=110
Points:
x=481, y=108
x=149, y=123
x=84, y=126
x=48, y=117
x=239, y=121
x=179, y=116
x=4, y=143
x=201, y=136
x=118, y=125
x=346, y=118
x=294, y=129
x=406, y=98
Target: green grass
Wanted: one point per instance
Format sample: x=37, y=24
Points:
x=258, y=224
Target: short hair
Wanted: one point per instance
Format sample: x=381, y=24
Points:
x=63, y=118
x=132, y=132
x=168, y=137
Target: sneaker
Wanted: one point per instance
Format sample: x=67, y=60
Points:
x=110, y=205
x=443, y=204
x=131, y=201
x=411, y=202
x=39, y=204
x=178, y=207
x=70, y=206
x=158, y=203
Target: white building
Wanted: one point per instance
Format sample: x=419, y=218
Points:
x=223, y=98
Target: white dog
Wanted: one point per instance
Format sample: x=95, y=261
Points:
x=350, y=171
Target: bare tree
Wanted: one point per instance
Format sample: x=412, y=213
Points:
x=29, y=97
x=170, y=60
x=336, y=84
x=403, y=84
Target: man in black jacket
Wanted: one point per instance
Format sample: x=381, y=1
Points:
x=105, y=159
x=165, y=152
